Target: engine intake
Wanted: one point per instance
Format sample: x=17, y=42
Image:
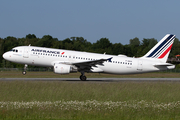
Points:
x=62, y=69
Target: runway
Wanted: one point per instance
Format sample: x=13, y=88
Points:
x=92, y=79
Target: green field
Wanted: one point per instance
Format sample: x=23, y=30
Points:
x=65, y=100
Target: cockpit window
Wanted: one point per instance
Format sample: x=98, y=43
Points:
x=14, y=50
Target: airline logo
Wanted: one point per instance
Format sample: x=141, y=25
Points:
x=164, y=48
x=47, y=51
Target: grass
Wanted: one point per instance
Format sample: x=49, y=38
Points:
x=82, y=100
x=81, y=91
x=65, y=100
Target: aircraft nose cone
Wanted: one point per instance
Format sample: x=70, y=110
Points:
x=5, y=56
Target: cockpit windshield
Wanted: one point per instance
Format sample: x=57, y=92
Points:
x=14, y=50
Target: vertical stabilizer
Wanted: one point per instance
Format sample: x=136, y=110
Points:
x=162, y=49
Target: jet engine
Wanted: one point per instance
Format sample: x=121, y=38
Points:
x=62, y=69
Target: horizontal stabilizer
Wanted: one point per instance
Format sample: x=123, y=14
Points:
x=167, y=65
x=163, y=64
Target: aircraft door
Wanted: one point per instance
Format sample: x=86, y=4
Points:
x=26, y=52
x=140, y=65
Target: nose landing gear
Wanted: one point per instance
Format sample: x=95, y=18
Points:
x=25, y=68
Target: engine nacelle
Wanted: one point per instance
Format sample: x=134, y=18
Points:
x=62, y=69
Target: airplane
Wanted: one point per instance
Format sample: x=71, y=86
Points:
x=67, y=61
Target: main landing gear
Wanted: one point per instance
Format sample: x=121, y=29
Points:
x=25, y=68
x=82, y=77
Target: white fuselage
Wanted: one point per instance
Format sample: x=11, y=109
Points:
x=40, y=56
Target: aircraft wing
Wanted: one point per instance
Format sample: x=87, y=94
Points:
x=87, y=65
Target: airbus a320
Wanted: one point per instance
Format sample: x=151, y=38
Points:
x=67, y=61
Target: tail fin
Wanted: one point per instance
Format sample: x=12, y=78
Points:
x=162, y=49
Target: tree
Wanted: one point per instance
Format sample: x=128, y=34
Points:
x=117, y=49
x=9, y=43
x=134, y=42
x=128, y=51
x=175, y=48
x=152, y=43
x=45, y=41
x=67, y=40
x=30, y=36
x=78, y=43
x=102, y=45
x=134, y=46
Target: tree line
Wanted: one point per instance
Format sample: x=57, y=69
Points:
x=135, y=48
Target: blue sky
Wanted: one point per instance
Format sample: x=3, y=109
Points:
x=117, y=20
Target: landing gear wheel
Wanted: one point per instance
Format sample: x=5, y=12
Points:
x=25, y=67
x=24, y=72
x=83, y=78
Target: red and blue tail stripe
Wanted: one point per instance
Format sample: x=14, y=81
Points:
x=162, y=48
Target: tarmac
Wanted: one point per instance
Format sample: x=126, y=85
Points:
x=94, y=79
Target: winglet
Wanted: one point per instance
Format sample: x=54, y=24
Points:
x=109, y=59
